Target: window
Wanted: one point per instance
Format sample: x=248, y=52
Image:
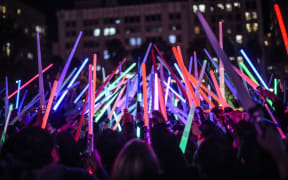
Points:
x=175, y=16
x=228, y=7
x=18, y=11
x=70, y=24
x=220, y=6
x=135, y=41
x=239, y=38
x=172, y=38
x=236, y=4
x=154, y=28
x=107, y=21
x=117, y=21
x=109, y=31
x=247, y=16
x=90, y=22
x=195, y=8
x=132, y=19
x=212, y=8
x=197, y=30
x=229, y=31
x=155, y=17
x=30, y=55
x=254, y=15
x=266, y=43
x=106, y=54
x=131, y=29
x=249, y=27
x=202, y=8
x=98, y=68
x=96, y=32
x=255, y=27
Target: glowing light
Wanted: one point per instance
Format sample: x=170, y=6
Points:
x=146, y=120
x=281, y=25
x=28, y=82
x=253, y=68
x=18, y=94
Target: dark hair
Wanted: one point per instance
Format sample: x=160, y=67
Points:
x=136, y=161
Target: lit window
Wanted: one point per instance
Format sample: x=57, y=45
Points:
x=269, y=35
x=236, y=4
x=109, y=31
x=221, y=6
x=247, y=16
x=18, y=11
x=135, y=41
x=30, y=55
x=229, y=31
x=106, y=54
x=172, y=38
x=98, y=68
x=39, y=29
x=239, y=38
x=138, y=41
x=249, y=27
x=228, y=7
x=195, y=8
x=232, y=58
x=202, y=8
x=266, y=43
x=197, y=30
x=173, y=28
x=97, y=32
x=254, y=15
x=240, y=58
x=117, y=21
x=269, y=67
x=255, y=27
x=212, y=8
x=215, y=59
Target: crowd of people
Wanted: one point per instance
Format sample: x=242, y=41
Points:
x=223, y=144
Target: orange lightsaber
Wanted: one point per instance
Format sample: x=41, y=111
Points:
x=217, y=88
x=146, y=120
x=118, y=121
x=46, y=115
x=246, y=78
x=116, y=102
x=161, y=101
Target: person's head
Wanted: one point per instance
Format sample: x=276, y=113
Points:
x=136, y=161
x=216, y=158
x=33, y=147
x=109, y=144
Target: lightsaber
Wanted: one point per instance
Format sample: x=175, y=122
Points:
x=81, y=94
x=116, y=102
x=221, y=67
x=2, y=90
x=22, y=101
x=174, y=92
x=248, y=72
x=281, y=25
x=106, y=92
x=28, y=82
x=156, y=93
x=178, y=70
x=195, y=65
x=161, y=99
x=253, y=68
x=65, y=69
x=94, y=80
x=167, y=89
x=81, y=120
x=69, y=85
x=18, y=94
x=270, y=80
x=146, y=120
x=190, y=64
x=5, y=126
x=6, y=98
x=223, y=103
x=117, y=122
x=127, y=94
x=68, y=78
x=49, y=105
x=275, y=86
x=41, y=83
x=163, y=61
x=90, y=101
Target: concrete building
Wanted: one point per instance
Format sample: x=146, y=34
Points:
x=173, y=22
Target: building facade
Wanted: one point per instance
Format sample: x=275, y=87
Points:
x=172, y=22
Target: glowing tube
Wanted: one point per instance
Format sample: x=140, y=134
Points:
x=117, y=122
x=18, y=94
x=275, y=86
x=248, y=72
x=122, y=74
x=6, y=98
x=47, y=112
x=174, y=92
x=2, y=90
x=115, y=103
x=247, y=79
x=253, y=68
x=90, y=101
x=146, y=120
x=81, y=94
x=6, y=126
x=217, y=88
x=167, y=89
x=127, y=94
x=94, y=80
x=161, y=100
x=190, y=64
x=195, y=65
x=275, y=121
x=170, y=70
x=106, y=92
x=156, y=95
x=65, y=69
x=22, y=101
x=70, y=84
x=68, y=78
x=41, y=84
x=28, y=82
x=281, y=25
x=104, y=109
x=81, y=120
x=221, y=67
x=178, y=70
